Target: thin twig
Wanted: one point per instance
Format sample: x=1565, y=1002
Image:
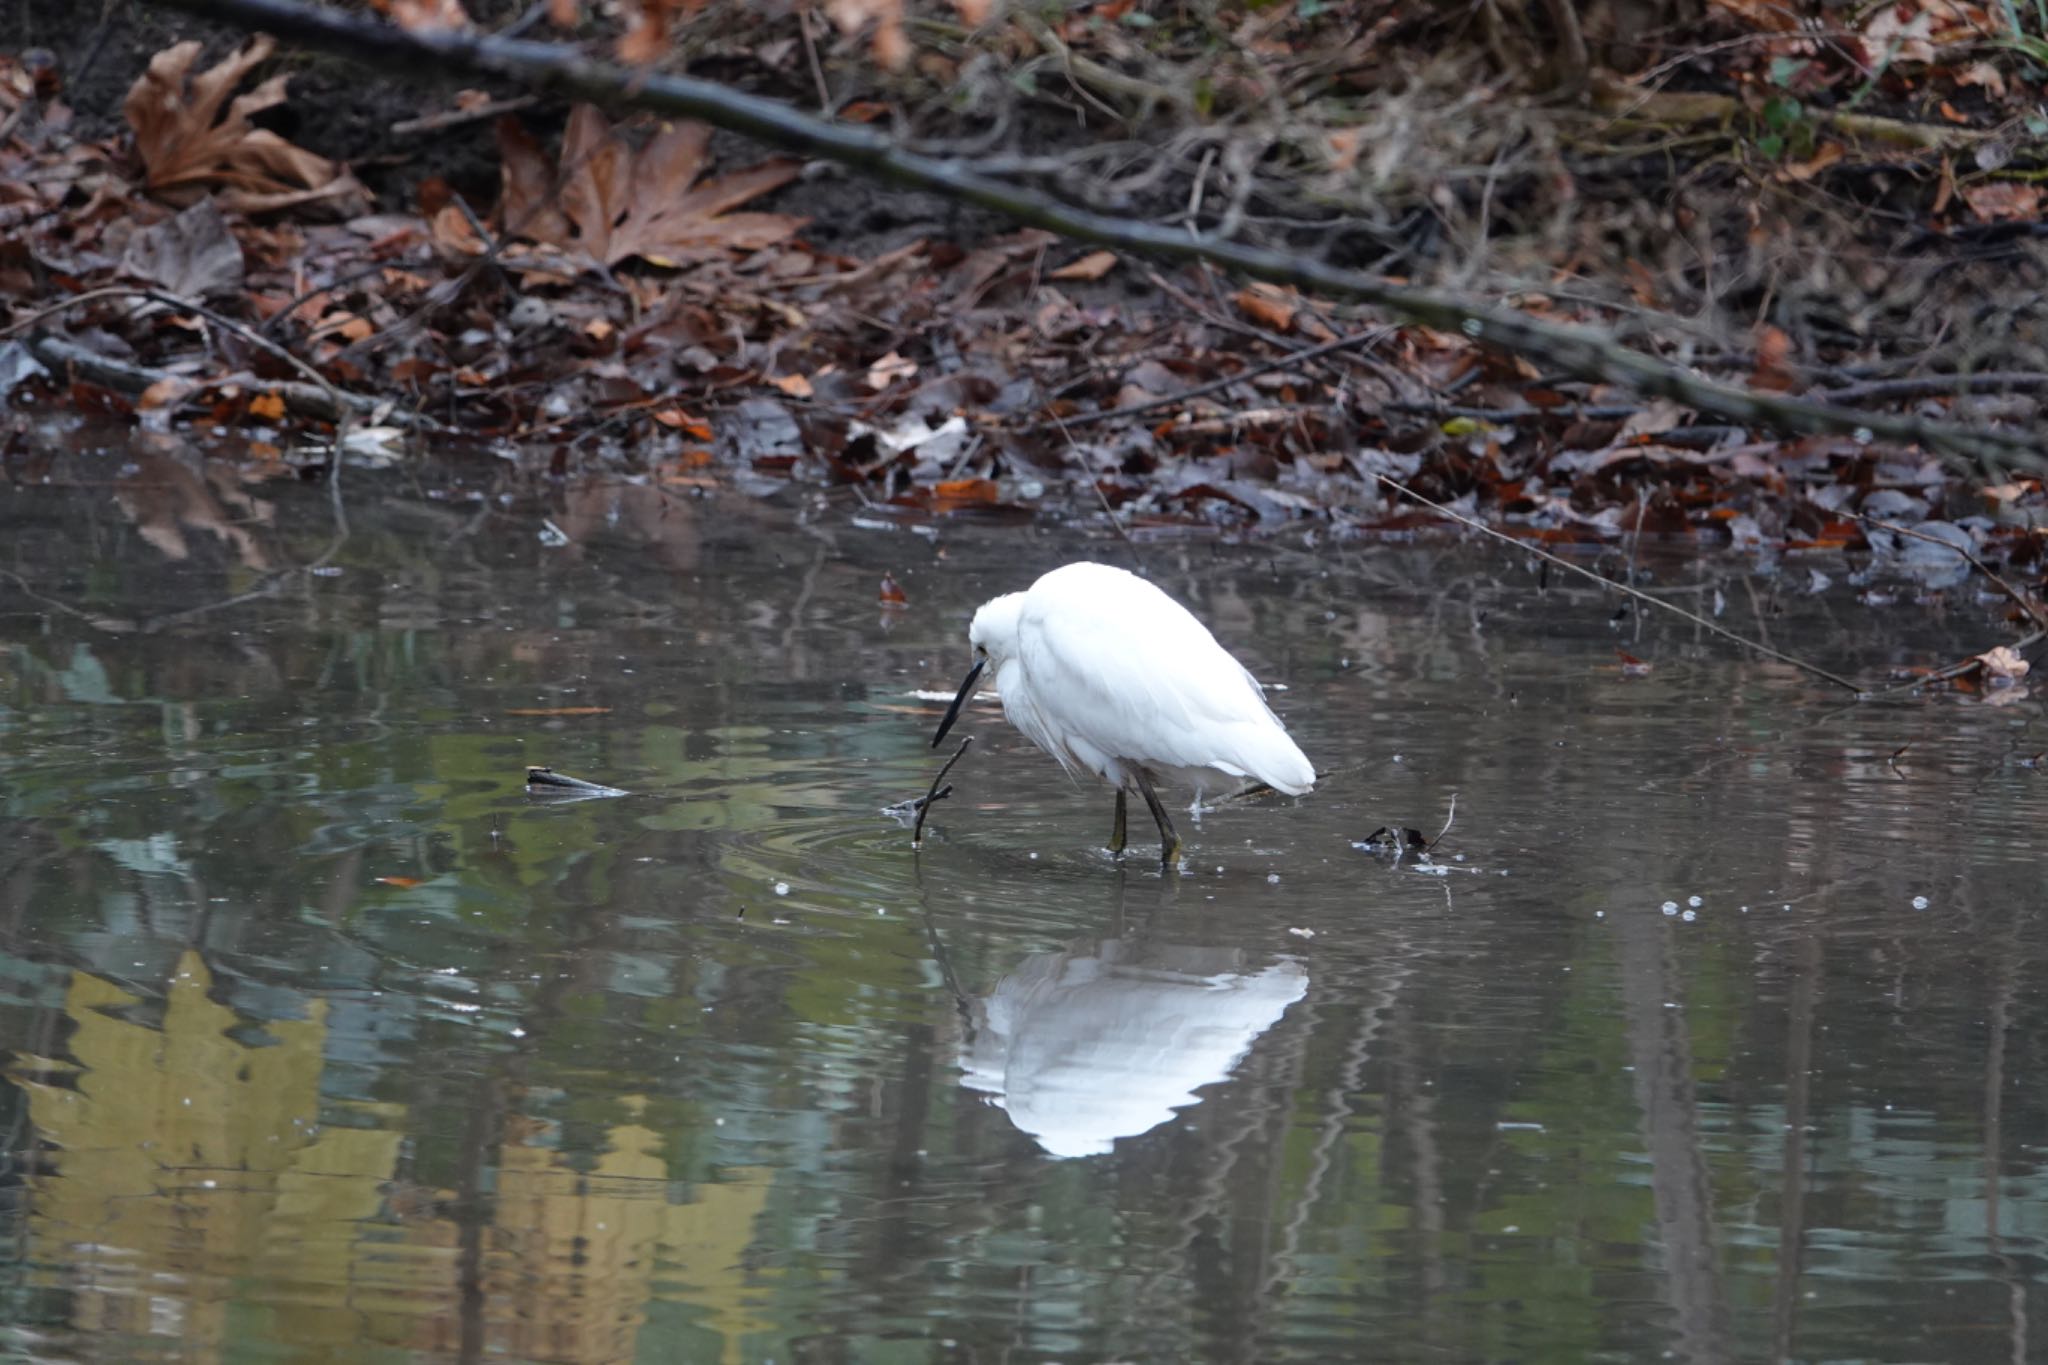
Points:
x=803, y=23
x=1936, y=386
x=1287, y=361
x=173, y=301
x=1449, y=816
x=1095, y=483
x=1623, y=588
x=456, y=118
x=933, y=795
x=334, y=285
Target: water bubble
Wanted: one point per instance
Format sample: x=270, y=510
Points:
x=782, y=888
x=1670, y=907
x=1472, y=327
x=1693, y=901
x=1919, y=902
x=1272, y=879
x=1689, y=916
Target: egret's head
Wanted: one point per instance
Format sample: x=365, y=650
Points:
x=994, y=632
x=994, y=637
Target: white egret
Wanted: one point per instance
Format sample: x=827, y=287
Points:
x=1111, y=676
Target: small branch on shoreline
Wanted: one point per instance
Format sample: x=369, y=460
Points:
x=317, y=397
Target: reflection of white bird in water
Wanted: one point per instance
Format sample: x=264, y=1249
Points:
x=1111, y=676
x=1083, y=1047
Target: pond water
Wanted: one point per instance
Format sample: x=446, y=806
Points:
x=1711, y=1030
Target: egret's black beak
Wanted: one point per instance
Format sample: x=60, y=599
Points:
x=959, y=700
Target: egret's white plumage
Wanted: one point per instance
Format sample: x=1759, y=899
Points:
x=1111, y=676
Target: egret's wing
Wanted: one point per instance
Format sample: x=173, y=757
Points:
x=1145, y=680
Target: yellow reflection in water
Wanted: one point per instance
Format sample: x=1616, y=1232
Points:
x=168, y=1155
x=189, y=1196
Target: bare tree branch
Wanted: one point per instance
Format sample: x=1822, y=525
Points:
x=1579, y=351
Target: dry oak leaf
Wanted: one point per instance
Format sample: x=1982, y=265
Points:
x=616, y=201
x=189, y=146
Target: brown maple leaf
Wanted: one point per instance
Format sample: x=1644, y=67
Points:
x=189, y=146
x=610, y=201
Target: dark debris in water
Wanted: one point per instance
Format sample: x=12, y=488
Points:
x=541, y=781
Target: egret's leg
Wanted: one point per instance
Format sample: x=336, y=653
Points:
x=1169, y=838
x=1116, y=837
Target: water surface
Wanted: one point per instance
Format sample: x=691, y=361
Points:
x=1709, y=1032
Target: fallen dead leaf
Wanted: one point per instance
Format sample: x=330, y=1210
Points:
x=646, y=36
x=795, y=385
x=1802, y=171
x=2003, y=665
x=167, y=392
x=192, y=255
x=952, y=494
x=189, y=146
x=417, y=16
x=889, y=369
x=617, y=202
x=1903, y=38
x=1767, y=15
x=889, y=45
x=1983, y=74
x=1652, y=419
x=1773, y=349
x=452, y=233
x=268, y=407
x=1268, y=305
x=2003, y=201
x=1093, y=266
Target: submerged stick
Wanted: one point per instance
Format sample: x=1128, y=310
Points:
x=933, y=795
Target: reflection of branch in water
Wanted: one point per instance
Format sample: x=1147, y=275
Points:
x=2000, y=1019
x=1336, y=1119
x=1660, y=1046
x=1792, y=1162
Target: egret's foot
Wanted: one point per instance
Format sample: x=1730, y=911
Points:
x=1169, y=837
